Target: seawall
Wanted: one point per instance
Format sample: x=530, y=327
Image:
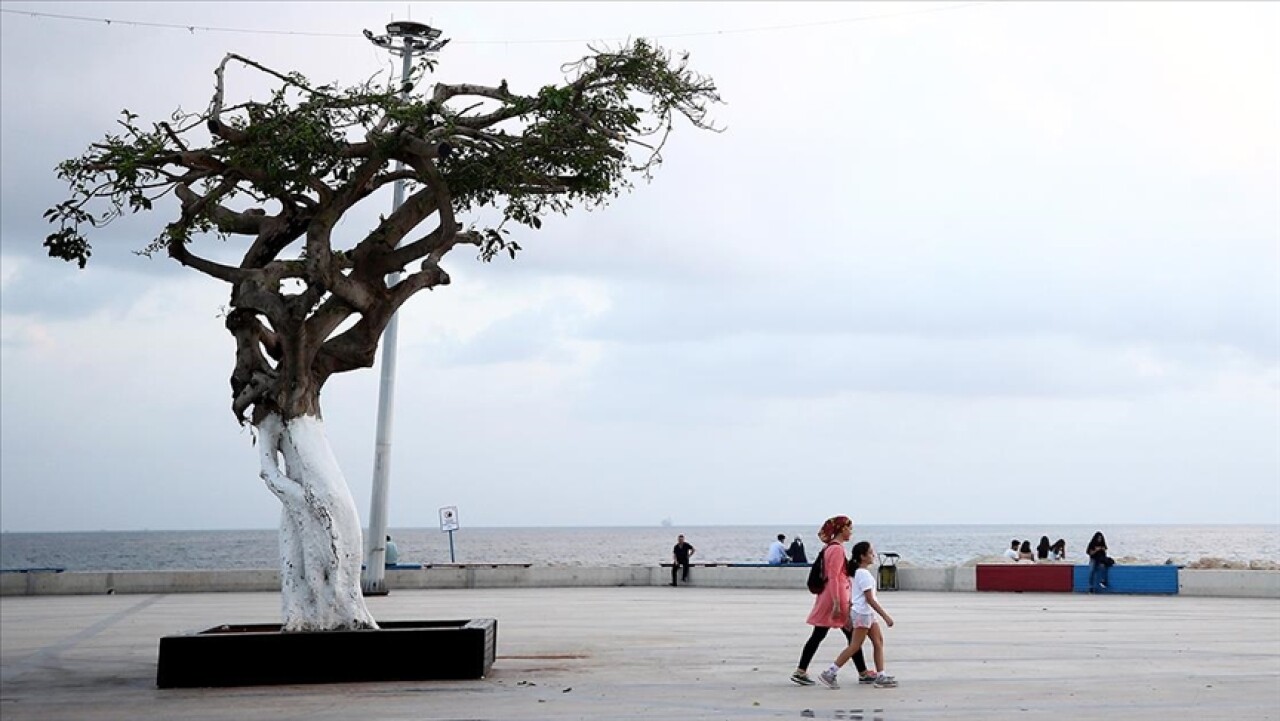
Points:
x=1191, y=582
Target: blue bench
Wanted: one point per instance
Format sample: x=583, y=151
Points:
x=396, y=566
x=695, y=565
x=474, y=565
x=742, y=565
x=422, y=566
x=1131, y=579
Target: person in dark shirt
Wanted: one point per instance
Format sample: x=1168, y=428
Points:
x=1099, y=563
x=1042, y=550
x=796, y=552
x=680, y=558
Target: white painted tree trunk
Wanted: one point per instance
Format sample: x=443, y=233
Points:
x=320, y=539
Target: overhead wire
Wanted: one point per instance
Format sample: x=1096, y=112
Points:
x=192, y=28
x=175, y=26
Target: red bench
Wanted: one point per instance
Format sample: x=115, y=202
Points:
x=1041, y=577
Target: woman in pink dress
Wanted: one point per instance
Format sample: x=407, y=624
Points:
x=831, y=607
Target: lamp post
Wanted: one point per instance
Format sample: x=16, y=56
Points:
x=415, y=39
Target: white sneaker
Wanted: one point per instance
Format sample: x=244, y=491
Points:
x=828, y=679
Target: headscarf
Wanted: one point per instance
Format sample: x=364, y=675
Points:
x=831, y=529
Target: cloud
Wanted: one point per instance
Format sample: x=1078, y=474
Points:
x=979, y=261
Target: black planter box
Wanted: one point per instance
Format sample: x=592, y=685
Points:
x=259, y=654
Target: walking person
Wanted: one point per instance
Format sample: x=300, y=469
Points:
x=831, y=607
x=863, y=612
x=1099, y=563
x=680, y=555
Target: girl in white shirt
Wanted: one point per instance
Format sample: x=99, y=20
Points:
x=863, y=617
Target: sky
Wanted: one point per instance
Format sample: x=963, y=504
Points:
x=945, y=263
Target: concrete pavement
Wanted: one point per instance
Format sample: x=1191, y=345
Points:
x=678, y=653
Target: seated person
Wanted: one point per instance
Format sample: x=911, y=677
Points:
x=393, y=553
x=1058, y=551
x=778, y=552
x=1042, y=550
x=1011, y=552
x=796, y=552
x=1024, y=552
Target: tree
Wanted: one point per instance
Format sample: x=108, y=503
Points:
x=281, y=174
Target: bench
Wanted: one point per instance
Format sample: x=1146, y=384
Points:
x=1065, y=578
x=1132, y=579
x=422, y=566
x=695, y=565
x=741, y=565
x=1037, y=577
x=476, y=565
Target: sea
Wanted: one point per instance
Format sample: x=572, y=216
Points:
x=1206, y=546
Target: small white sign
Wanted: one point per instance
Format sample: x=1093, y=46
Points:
x=449, y=518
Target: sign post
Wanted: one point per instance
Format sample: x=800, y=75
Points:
x=449, y=522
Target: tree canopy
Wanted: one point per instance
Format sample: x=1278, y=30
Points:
x=281, y=173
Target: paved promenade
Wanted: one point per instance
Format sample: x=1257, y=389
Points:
x=681, y=653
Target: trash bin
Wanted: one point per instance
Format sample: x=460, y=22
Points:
x=888, y=572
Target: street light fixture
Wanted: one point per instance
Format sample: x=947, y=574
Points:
x=415, y=39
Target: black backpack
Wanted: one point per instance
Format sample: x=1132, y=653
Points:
x=818, y=574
